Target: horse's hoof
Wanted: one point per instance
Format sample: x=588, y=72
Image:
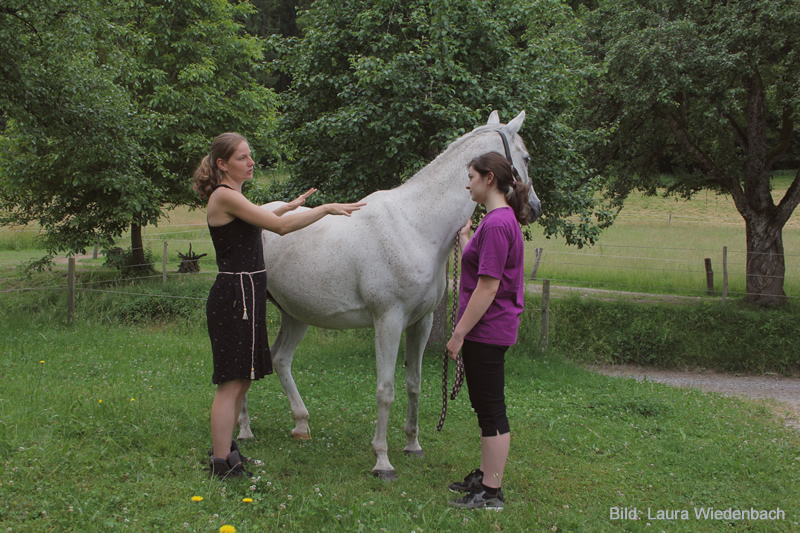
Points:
x=301, y=436
x=418, y=453
x=387, y=475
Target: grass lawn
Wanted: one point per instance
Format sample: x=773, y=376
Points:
x=105, y=427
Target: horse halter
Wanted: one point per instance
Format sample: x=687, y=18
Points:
x=514, y=172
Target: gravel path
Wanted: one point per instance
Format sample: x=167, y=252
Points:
x=785, y=390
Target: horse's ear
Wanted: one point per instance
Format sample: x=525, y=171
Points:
x=516, y=124
x=494, y=118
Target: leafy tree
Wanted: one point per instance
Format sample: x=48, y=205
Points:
x=712, y=87
x=382, y=86
x=276, y=17
x=195, y=79
x=122, y=107
x=65, y=152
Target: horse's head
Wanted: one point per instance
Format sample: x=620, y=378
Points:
x=518, y=155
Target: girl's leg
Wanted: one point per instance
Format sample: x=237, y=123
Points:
x=494, y=454
x=484, y=367
x=224, y=413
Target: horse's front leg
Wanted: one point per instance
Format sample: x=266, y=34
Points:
x=388, y=330
x=416, y=339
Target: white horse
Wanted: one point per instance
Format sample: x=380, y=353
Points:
x=384, y=268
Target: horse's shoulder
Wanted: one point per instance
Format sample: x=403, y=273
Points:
x=272, y=206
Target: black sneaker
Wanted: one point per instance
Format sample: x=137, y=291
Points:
x=479, y=499
x=470, y=483
x=227, y=468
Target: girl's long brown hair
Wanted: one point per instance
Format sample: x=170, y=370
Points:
x=516, y=192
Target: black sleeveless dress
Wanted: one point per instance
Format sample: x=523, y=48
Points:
x=237, y=304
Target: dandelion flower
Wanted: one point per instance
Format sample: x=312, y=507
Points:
x=133, y=400
x=197, y=498
x=227, y=529
x=99, y=401
x=247, y=500
x=41, y=362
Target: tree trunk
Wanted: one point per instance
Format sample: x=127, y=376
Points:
x=288, y=28
x=137, y=248
x=765, y=263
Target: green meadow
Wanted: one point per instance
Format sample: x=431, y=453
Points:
x=659, y=245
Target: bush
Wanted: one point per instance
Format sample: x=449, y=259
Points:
x=685, y=336
x=123, y=261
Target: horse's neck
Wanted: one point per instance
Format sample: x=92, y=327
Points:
x=436, y=198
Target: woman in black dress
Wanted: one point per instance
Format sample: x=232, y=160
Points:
x=236, y=307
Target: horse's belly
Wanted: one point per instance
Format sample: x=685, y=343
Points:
x=320, y=304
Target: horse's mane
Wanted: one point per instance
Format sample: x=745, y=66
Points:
x=455, y=145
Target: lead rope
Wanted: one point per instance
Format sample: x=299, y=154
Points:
x=459, y=378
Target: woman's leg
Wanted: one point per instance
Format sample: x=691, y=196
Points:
x=224, y=413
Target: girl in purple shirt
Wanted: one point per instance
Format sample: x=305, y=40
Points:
x=490, y=304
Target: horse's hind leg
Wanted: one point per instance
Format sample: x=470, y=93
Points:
x=289, y=336
x=244, y=422
x=416, y=338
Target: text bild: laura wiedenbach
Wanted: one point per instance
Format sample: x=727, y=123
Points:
x=700, y=513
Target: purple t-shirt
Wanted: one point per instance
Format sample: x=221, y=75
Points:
x=496, y=250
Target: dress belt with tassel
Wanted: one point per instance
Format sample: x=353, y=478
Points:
x=244, y=315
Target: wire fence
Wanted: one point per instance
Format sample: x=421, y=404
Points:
x=658, y=272
x=620, y=268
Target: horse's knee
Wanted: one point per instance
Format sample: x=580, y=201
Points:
x=385, y=393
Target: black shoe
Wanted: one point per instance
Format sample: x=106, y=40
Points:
x=479, y=499
x=227, y=468
x=235, y=448
x=470, y=483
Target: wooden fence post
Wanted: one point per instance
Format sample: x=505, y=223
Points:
x=538, y=252
x=164, y=265
x=709, y=277
x=70, y=289
x=545, y=312
x=724, y=274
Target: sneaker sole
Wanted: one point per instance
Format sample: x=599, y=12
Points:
x=483, y=508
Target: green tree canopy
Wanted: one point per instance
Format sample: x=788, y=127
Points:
x=66, y=152
x=121, y=111
x=712, y=87
x=380, y=87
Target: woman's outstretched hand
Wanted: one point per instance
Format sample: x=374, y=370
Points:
x=300, y=200
x=344, y=209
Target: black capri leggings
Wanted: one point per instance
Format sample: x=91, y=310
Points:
x=484, y=368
